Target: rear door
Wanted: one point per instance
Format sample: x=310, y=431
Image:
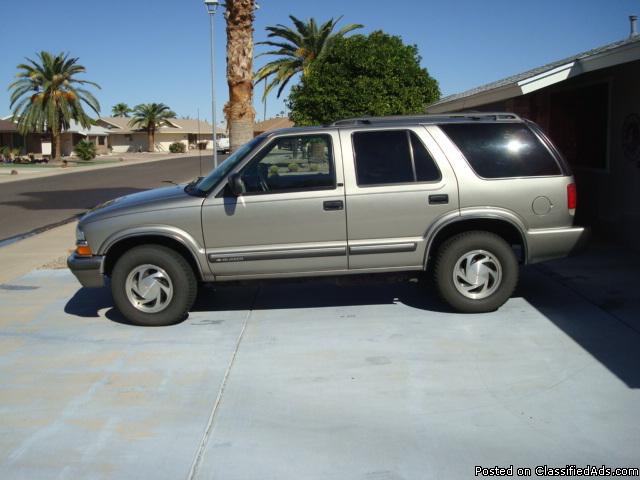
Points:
x=398, y=183
x=290, y=220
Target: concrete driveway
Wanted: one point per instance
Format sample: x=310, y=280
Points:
x=313, y=381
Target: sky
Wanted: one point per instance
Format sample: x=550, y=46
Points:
x=143, y=51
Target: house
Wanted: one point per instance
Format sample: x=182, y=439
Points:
x=125, y=138
x=589, y=105
x=271, y=124
x=29, y=143
x=76, y=133
x=39, y=144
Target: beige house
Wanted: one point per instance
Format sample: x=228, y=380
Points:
x=124, y=138
x=76, y=133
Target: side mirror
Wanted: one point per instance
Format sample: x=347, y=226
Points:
x=236, y=185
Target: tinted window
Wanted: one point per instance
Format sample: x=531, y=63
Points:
x=291, y=163
x=390, y=157
x=426, y=169
x=502, y=150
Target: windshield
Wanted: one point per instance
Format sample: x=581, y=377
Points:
x=211, y=180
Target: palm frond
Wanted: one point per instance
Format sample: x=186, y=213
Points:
x=299, y=47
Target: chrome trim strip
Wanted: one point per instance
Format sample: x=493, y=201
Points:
x=382, y=248
x=277, y=254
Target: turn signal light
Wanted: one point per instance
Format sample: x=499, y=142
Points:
x=83, y=251
x=572, y=198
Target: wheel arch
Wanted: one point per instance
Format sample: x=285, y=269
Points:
x=505, y=228
x=117, y=247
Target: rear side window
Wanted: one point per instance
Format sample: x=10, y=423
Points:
x=505, y=150
x=392, y=157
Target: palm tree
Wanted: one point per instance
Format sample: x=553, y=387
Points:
x=150, y=117
x=239, y=110
x=48, y=95
x=120, y=110
x=298, y=49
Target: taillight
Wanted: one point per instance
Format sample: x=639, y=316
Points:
x=572, y=198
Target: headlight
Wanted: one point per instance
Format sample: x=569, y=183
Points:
x=80, y=236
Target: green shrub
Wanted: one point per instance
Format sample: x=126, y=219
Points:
x=273, y=170
x=293, y=167
x=177, y=147
x=85, y=150
x=313, y=167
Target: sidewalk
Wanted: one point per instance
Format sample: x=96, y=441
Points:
x=119, y=160
x=49, y=248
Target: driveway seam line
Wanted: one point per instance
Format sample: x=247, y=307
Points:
x=193, y=471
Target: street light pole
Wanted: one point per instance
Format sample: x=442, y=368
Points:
x=211, y=6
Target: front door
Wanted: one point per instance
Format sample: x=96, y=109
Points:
x=291, y=217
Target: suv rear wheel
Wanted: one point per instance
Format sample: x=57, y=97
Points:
x=153, y=285
x=476, y=272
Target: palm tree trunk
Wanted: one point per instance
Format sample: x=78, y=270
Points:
x=57, y=146
x=239, y=110
x=151, y=141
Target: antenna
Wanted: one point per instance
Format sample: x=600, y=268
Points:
x=198, y=144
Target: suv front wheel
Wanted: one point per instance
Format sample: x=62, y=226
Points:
x=476, y=272
x=153, y=285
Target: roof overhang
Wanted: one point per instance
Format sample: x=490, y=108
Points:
x=623, y=54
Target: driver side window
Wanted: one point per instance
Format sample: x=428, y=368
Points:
x=291, y=163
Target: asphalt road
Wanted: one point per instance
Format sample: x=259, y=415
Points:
x=30, y=205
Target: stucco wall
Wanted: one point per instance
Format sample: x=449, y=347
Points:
x=163, y=140
x=121, y=143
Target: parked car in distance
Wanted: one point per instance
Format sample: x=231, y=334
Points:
x=222, y=144
x=469, y=197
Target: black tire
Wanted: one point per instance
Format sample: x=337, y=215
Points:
x=456, y=247
x=182, y=276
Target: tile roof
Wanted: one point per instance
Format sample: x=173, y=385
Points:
x=176, y=125
x=272, y=124
x=8, y=126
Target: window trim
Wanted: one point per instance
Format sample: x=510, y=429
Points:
x=473, y=170
x=266, y=148
x=415, y=181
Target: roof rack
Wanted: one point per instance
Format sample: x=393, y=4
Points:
x=439, y=118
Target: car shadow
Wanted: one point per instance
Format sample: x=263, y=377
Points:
x=90, y=302
x=613, y=343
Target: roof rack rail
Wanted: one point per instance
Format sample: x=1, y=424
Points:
x=437, y=118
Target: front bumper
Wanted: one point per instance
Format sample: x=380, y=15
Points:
x=88, y=270
x=550, y=243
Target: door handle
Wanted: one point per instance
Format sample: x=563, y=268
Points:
x=438, y=199
x=333, y=205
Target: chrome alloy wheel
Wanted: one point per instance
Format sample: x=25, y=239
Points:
x=477, y=274
x=149, y=288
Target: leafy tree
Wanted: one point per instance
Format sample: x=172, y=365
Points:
x=239, y=110
x=298, y=49
x=150, y=117
x=363, y=75
x=85, y=150
x=120, y=110
x=48, y=95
